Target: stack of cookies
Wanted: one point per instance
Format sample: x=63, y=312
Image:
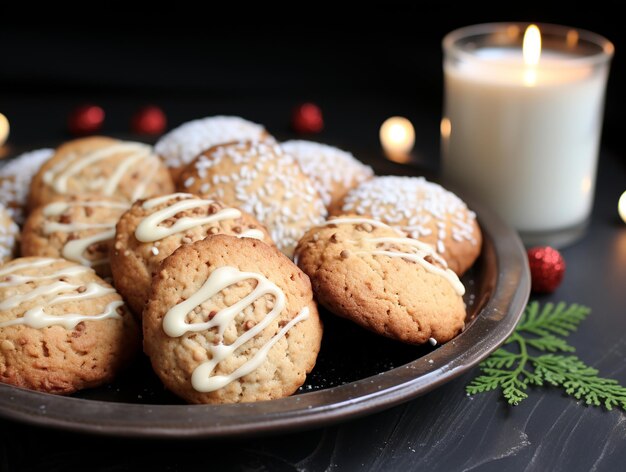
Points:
x=213, y=249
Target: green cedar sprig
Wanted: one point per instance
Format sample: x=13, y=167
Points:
x=543, y=329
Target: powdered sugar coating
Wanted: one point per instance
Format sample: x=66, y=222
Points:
x=181, y=145
x=15, y=178
x=9, y=233
x=261, y=179
x=422, y=210
x=332, y=170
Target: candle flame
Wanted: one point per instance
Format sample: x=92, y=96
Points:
x=531, y=50
x=532, y=46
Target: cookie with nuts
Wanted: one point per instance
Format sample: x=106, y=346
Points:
x=100, y=166
x=422, y=210
x=398, y=287
x=62, y=328
x=76, y=228
x=153, y=229
x=231, y=320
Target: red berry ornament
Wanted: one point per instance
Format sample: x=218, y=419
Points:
x=307, y=119
x=149, y=120
x=547, y=268
x=85, y=119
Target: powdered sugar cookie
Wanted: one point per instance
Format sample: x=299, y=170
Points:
x=333, y=171
x=263, y=180
x=183, y=144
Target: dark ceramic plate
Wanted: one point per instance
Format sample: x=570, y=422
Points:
x=356, y=373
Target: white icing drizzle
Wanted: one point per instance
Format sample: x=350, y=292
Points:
x=58, y=208
x=148, y=230
x=58, y=177
x=253, y=234
x=175, y=325
x=155, y=202
x=75, y=250
x=422, y=250
x=13, y=279
x=60, y=291
x=37, y=317
x=358, y=221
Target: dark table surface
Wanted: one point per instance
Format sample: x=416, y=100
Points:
x=357, y=89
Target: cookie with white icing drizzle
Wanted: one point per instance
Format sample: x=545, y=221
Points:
x=9, y=236
x=183, y=144
x=399, y=287
x=62, y=328
x=231, y=320
x=333, y=171
x=100, y=166
x=153, y=229
x=422, y=210
x=77, y=228
x=263, y=180
x=15, y=178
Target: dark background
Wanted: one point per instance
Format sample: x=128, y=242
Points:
x=257, y=60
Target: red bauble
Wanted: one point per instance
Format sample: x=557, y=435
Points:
x=547, y=268
x=85, y=119
x=307, y=119
x=149, y=120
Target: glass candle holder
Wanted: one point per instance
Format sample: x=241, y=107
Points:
x=523, y=113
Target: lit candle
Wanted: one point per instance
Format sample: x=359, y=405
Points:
x=397, y=137
x=4, y=129
x=522, y=122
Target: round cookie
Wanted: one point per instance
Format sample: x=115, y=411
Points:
x=366, y=271
x=422, y=210
x=9, y=235
x=78, y=228
x=100, y=166
x=15, y=178
x=332, y=171
x=231, y=320
x=153, y=229
x=181, y=145
x=263, y=180
x=62, y=328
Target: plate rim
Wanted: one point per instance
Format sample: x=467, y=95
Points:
x=306, y=410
